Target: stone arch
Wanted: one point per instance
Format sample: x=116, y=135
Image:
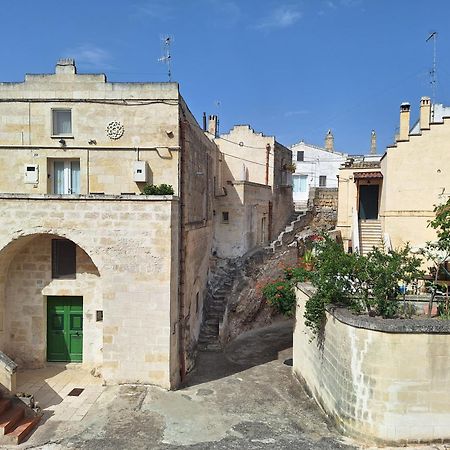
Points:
x=25, y=284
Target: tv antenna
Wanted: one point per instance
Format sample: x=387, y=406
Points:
x=433, y=73
x=166, y=58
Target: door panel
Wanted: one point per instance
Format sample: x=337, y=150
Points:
x=368, y=201
x=65, y=329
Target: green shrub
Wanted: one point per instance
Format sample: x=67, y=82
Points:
x=281, y=295
x=161, y=189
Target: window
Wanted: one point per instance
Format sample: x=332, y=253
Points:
x=225, y=216
x=300, y=156
x=63, y=258
x=322, y=181
x=61, y=122
x=66, y=176
x=300, y=183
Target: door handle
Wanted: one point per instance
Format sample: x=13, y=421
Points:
x=77, y=333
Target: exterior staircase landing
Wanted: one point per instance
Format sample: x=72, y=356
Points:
x=370, y=236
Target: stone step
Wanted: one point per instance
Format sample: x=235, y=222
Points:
x=23, y=429
x=10, y=418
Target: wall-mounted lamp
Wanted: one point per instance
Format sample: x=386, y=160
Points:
x=169, y=133
x=92, y=142
x=62, y=142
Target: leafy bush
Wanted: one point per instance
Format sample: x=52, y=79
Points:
x=161, y=189
x=363, y=283
x=281, y=295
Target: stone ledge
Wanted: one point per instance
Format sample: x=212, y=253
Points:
x=7, y=363
x=140, y=198
x=400, y=326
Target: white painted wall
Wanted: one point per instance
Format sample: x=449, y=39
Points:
x=317, y=161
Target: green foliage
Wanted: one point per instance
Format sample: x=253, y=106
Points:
x=155, y=189
x=281, y=295
x=363, y=283
x=441, y=223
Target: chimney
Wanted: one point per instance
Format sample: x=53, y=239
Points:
x=66, y=65
x=213, y=125
x=329, y=141
x=425, y=113
x=373, y=143
x=204, y=121
x=404, y=122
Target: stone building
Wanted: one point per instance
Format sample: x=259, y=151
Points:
x=388, y=200
x=90, y=270
x=256, y=199
x=315, y=167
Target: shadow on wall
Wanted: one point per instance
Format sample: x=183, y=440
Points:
x=251, y=349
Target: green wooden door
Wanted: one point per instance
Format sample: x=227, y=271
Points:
x=65, y=329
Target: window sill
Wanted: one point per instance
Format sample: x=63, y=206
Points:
x=61, y=136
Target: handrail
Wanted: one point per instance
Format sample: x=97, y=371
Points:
x=355, y=231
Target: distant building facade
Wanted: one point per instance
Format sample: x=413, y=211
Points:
x=256, y=201
x=315, y=167
x=397, y=193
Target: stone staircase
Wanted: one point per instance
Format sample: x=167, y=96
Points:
x=17, y=420
x=297, y=221
x=223, y=277
x=219, y=287
x=370, y=236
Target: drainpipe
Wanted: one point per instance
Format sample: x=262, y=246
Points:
x=181, y=253
x=267, y=163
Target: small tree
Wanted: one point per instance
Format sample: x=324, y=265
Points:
x=438, y=252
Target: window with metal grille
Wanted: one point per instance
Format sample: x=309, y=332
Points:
x=322, y=181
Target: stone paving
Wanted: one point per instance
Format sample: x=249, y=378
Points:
x=242, y=398
x=51, y=386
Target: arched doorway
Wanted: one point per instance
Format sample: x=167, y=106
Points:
x=50, y=291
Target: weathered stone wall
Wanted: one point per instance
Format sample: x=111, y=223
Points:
x=247, y=205
x=133, y=245
x=375, y=382
x=29, y=282
x=199, y=159
x=324, y=205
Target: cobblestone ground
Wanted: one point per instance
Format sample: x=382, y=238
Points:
x=243, y=398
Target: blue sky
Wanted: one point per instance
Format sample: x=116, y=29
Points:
x=293, y=69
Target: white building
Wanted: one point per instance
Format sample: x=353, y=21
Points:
x=314, y=167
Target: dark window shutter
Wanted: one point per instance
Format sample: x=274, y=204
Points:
x=64, y=263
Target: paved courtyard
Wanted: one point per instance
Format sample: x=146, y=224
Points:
x=243, y=398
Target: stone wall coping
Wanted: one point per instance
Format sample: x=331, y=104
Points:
x=129, y=197
x=400, y=326
x=7, y=363
x=250, y=183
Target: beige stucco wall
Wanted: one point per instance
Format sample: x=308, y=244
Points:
x=417, y=177
x=257, y=158
x=247, y=205
x=132, y=242
x=376, y=385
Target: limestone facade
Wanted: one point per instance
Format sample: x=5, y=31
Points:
x=257, y=191
x=377, y=384
x=141, y=261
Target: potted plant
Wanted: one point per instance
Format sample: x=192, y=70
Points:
x=307, y=261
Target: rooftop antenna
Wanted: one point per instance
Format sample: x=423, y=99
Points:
x=166, y=58
x=433, y=73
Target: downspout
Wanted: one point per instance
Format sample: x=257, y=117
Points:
x=267, y=163
x=181, y=254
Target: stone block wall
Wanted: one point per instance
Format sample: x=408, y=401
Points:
x=324, y=204
x=132, y=243
x=378, y=384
